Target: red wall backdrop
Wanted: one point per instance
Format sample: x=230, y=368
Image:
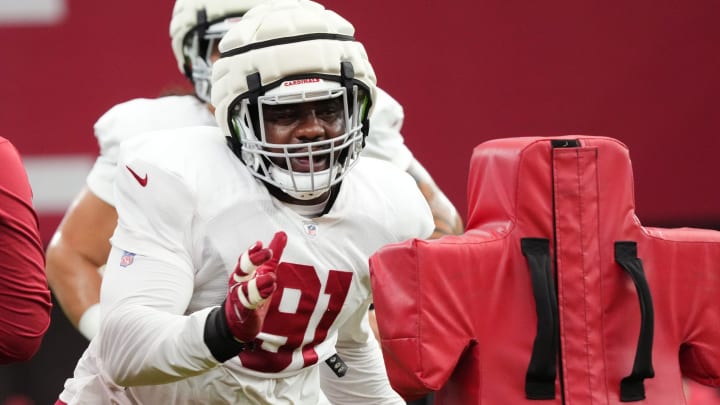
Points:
x=645, y=72
x=642, y=71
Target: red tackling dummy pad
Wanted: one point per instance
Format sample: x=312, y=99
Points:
x=556, y=294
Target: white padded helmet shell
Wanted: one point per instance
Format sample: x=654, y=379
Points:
x=185, y=19
x=281, y=42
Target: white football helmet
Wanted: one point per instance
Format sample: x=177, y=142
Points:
x=196, y=26
x=288, y=52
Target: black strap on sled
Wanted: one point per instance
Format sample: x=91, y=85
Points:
x=632, y=387
x=541, y=373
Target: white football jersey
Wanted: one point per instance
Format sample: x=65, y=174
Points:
x=131, y=118
x=188, y=208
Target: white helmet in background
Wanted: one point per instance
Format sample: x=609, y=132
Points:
x=287, y=52
x=195, y=28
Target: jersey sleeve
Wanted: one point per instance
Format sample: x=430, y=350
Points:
x=146, y=337
x=384, y=141
x=25, y=299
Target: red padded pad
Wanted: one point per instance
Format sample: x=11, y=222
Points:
x=457, y=315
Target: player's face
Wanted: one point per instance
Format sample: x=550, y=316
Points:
x=300, y=123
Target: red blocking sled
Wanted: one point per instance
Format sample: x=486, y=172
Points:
x=555, y=294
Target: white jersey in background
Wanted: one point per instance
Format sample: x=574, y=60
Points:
x=187, y=209
x=131, y=118
x=138, y=116
x=384, y=140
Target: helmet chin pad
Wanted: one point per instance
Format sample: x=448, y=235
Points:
x=300, y=185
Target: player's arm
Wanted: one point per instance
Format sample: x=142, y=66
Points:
x=24, y=297
x=145, y=336
x=446, y=217
x=79, y=248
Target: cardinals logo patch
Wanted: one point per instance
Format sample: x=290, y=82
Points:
x=127, y=259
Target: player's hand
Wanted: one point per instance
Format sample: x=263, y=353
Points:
x=252, y=282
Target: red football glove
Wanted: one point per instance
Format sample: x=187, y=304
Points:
x=252, y=282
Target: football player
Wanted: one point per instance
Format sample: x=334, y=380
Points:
x=190, y=313
x=80, y=247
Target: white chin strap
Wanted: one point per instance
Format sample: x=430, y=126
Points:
x=300, y=185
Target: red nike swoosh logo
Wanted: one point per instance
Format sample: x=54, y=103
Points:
x=141, y=180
